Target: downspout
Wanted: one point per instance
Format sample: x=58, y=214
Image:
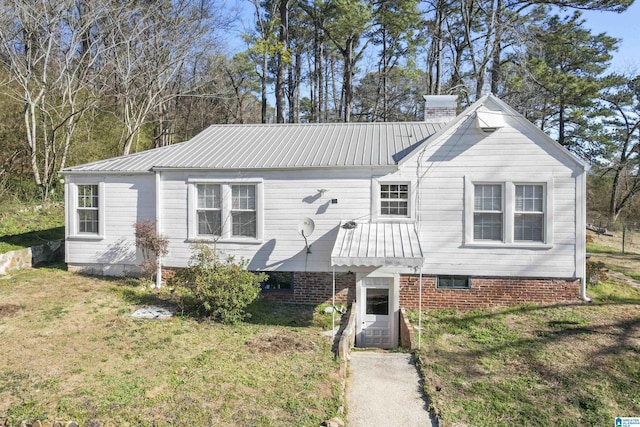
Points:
x=333, y=305
x=420, y=309
x=581, y=233
x=158, y=230
x=584, y=290
x=583, y=281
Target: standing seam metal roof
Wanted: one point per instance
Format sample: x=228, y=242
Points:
x=377, y=244
x=275, y=146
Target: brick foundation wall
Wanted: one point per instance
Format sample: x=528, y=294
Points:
x=316, y=288
x=486, y=292
x=308, y=288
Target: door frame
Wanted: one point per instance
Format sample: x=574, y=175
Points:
x=394, y=304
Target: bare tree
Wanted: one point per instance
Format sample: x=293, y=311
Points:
x=51, y=62
x=151, y=44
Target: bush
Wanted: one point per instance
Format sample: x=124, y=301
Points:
x=596, y=272
x=152, y=245
x=220, y=289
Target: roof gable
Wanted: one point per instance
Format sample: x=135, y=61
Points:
x=471, y=112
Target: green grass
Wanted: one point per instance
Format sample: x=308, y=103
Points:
x=534, y=365
x=23, y=226
x=71, y=351
x=595, y=248
x=614, y=291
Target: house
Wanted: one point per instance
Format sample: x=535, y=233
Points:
x=462, y=211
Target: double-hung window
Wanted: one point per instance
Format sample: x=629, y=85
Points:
x=487, y=212
x=529, y=213
x=225, y=210
x=88, y=209
x=243, y=210
x=508, y=212
x=209, y=211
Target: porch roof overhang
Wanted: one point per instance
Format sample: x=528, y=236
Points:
x=377, y=245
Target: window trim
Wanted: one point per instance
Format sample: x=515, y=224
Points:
x=531, y=213
x=501, y=211
x=205, y=209
x=73, y=220
x=233, y=210
x=468, y=279
x=226, y=204
x=509, y=184
x=376, y=183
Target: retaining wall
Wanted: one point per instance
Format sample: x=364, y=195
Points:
x=406, y=331
x=31, y=257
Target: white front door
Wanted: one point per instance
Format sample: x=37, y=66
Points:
x=377, y=313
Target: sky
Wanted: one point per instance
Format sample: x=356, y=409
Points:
x=624, y=26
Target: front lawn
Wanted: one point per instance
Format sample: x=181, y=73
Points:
x=534, y=365
x=71, y=351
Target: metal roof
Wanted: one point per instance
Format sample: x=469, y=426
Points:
x=377, y=244
x=274, y=146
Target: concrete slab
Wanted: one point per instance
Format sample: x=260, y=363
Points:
x=152, y=312
x=384, y=389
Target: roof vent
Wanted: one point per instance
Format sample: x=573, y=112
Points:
x=440, y=108
x=487, y=120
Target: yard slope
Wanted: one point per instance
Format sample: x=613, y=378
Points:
x=71, y=351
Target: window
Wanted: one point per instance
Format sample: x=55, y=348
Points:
x=243, y=210
x=209, y=211
x=377, y=301
x=225, y=211
x=88, y=219
x=487, y=212
x=278, y=281
x=453, y=282
x=394, y=200
x=529, y=213
x=502, y=210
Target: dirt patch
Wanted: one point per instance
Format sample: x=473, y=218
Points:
x=8, y=310
x=280, y=342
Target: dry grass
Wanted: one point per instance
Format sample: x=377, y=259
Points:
x=70, y=350
x=631, y=241
x=608, y=250
x=572, y=365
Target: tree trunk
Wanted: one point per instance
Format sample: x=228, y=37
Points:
x=613, y=211
x=281, y=71
x=30, y=126
x=561, y=139
x=496, y=66
x=347, y=84
x=263, y=88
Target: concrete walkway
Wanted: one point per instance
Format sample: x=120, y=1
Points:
x=384, y=389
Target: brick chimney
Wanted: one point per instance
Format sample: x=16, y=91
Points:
x=439, y=108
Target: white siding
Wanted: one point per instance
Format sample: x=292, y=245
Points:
x=289, y=196
x=510, y=153
x=127, y=199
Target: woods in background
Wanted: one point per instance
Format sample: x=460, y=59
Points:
x=89, y=79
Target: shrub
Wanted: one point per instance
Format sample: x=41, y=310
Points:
x=217, y=288
x=151, y=244
x=596, y=272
